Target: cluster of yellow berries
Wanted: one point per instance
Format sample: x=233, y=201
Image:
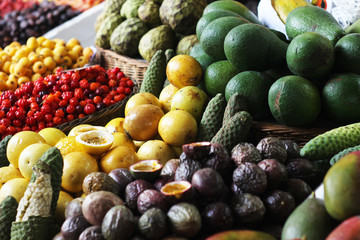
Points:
x=39, y=57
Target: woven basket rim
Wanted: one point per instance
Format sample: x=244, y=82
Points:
x=139, y=62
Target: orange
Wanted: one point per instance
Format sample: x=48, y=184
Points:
x=118, y=157
x=76, y=166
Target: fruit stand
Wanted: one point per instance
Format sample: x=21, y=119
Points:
x=179, y=119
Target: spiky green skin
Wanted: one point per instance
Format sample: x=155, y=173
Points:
x=339, y=155
x=8, y=209
x=326, y=145
x=211, y=120
x=235, y=104
x=169, y=53
x=36, y=227
x=113, y=6
x=3, y=158
x=155, y=74
x=102, y=37
x=234, y=131
x=148, y=12
x=54, y=159
x=130, y=8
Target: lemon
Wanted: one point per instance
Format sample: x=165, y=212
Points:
x=63, y=201
x=29, y=156
x=121, y=139
x=15, y=187
x=95, y=142
x=19, y=142
x=84, y=128
x=115, y=125
x=76, y=166
x=52, y=135
x=67, y=145
x=8, y=173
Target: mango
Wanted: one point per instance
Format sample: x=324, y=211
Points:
x=347, y=230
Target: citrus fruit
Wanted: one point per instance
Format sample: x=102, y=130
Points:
x=141, y=122
x=140, y=99
x=178, y=127
x=118, y=157
x=18, y=142
x=51, y=135
x=84, y=128
x=76, y=166
x=115, y=125
x=156, y=149
x=294, y=101
x=63, y=201
x=253, y=87
x=95, y=142
x=29, y=156
x=67, y=145
x=218, y=70
x=7, y=173
x=183, y=70
x=165, y=97
x=15, y=187
x=121, y=139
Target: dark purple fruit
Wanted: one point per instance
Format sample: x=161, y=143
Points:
x=92, y=233
x=235, y=189
x=177, y=191
x=99, y=181
x=73, y=226
x=247, y=208
x=58, y=236
x=74, y=207
x=276, y=173
x=220, y=160
x=198, y=151
x=160, y=182
x=185, y=219
x=292, y=149
x=303, y=169
x=96, y=205
x=123, y=177
x=279, y=205
x=208, y=184
x=250, y=178
x=245, y=152
x=151, y=198
x=298, y=188
x=271, y=147
x=152, y=224
x=119, y=223
x=169, y=169
x=133, y=190
x=186, y=170
x=217, y=217
x=148, y=170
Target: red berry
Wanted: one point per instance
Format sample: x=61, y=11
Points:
x=5, y=121
x=70, y=109
x=79, y=94
x=75, y=77
x=48, y=117
x=128, y=91
x=63, y=103
x=84, y=84
x=119, y=75
x=70, y=117
x=38, y=116
x=120, y=90
x=129, y=83
x=57, y=120
x=112, y=83
x=65, y=88
x=59, y=113
x=97, y=99
x=30, y=121
x=17, y=123
x=89, y=108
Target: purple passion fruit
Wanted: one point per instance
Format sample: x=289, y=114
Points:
x=73, y=226
x=169, y=169
x=99, y=181
x=177, y=191
x=123, y=177
x=74, y=207
x=133, y=191
x=152, y=224
x=217, y=217
x=151, y=198
x=197, y=151
x=146, y=169
x=208, y=184
x=92, y=233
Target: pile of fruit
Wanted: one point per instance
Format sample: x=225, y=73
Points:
x=13, y=5
x=61, y=97
x=80, y=5
x=33, y=21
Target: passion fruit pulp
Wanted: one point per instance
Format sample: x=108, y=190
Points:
x=177, y=191
x=95, y=142
x=147, y=169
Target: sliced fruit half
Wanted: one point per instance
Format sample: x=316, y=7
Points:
x=177, y=191
x=95, y=142
x=147, y=169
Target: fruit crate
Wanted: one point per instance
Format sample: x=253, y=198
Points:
x=135, y=68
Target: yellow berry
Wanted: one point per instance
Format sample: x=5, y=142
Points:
x=46, y=52
x=49, y=63
x=73, y=55
x=22, y=80
x=11, y=83
x=3, y=86
x=3, y=76
x=47, y=43
x=40, y=40
x=34, y=57
x=59, y=59
x=39, y=67
x=61, y=50
x=71, y=43
x=6, y=67
x=32, y=43
x=67, y=61
x=87, y=53
x=35, y=77
x=82, y=61
x=78, y=49
x=20, y=69
x=25, y=61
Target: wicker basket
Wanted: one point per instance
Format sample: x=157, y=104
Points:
x=135, y=68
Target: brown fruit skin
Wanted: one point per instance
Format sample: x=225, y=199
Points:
x=275, y=172
x=250, y=178
x=141, y=122
x=92, y=233
x=122, y=177
x=298, y=188
x=133, y=190
x=279, y=205
x=151, y=198
x=271, y=147
x=73, y=226
x=74, y=207
x=247, y=208
x=208, y=184
x=99, y=181
x=245, y=152
x=347, y=230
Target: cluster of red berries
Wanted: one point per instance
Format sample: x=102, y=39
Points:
x=61, y=97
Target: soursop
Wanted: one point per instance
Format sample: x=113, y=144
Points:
x=102, y=37
x=186, y=44
x=182, y=15
x=99, y=20
x=148, y=12
x=130, y=8
x=125, y=38
x=159, y=38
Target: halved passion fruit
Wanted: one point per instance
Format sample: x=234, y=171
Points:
x=197, y=151
x=82, y=128
x=95, y=142
x=177, y=191
x=146, y=169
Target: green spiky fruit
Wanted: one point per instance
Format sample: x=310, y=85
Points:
x=148, y=12
x=3, y=145
x=235, y=104
x=339, y=155
x=326, y=145
x=8, y=209
x=130, y=8
x=102, y=37
x=113, y=6
x=36, y=227
x=211, y=120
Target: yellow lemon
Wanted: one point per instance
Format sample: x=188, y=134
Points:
x=29, y=156
x=63, y=201
x=7, y=173
x=76, y=166
x=14, y=187
x=95, y=142
x=67, y=145
x=52, y=135
x=115, y=125
x=84, y=128
x=118, y=157
x=121, y=139
x=19, y=142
